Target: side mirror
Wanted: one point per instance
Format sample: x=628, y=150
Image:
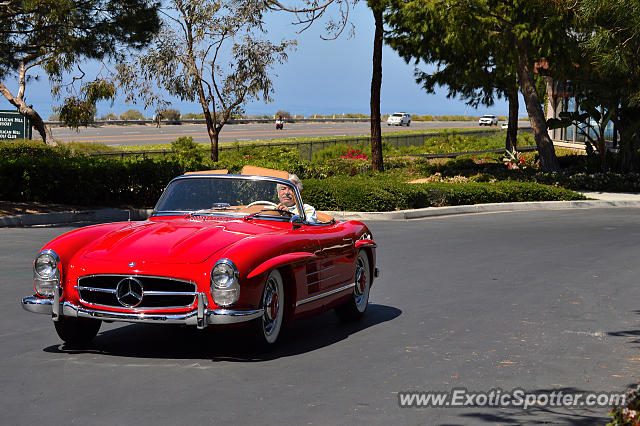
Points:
x=296, y=221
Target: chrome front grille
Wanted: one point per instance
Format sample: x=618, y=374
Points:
x=136, y=291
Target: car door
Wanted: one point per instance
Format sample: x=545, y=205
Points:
x=335, y=258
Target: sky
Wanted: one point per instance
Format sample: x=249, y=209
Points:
x=320, y=77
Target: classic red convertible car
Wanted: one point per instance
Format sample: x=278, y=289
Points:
x=218, y=249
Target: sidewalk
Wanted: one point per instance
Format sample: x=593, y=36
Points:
x=598, y=200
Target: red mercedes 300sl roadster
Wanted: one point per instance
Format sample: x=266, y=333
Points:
x=218, y=249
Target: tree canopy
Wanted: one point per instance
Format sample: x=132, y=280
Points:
x=56, y=35
x=484, y=48
x=211, y=52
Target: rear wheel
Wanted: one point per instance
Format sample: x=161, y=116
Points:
x=355, y=308
x=267, y=327
x=77, y=331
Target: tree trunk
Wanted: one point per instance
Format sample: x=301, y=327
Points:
x=544, y=144
x=212, y=131
x=31, y=114
x=213, y=136
x=629, y=135
x=376, y=84
x=512, y=130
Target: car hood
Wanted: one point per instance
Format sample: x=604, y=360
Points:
x=177, y=241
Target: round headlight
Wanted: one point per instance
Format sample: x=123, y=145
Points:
x=45, y=265
x=225, y=288
x=46, y=274
x=222, y=275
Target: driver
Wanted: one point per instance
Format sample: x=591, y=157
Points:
x=288, y=199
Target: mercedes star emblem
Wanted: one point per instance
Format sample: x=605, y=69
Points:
x=129, y=292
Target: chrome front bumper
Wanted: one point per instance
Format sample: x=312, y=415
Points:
x=200, y=317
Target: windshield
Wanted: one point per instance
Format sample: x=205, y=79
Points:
x=397, y=115
x=229, y=196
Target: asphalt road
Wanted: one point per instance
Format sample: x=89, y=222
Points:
x=541, y=301
x=150, y=134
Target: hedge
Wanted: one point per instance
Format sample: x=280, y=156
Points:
x=34, y=172
x=85, y=181
x=380, y=194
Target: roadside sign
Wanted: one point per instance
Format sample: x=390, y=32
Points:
x=14, y=125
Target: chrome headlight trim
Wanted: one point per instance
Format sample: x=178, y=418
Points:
x=225, y=283
x=46, y=273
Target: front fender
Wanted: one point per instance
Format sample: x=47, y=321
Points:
x=279, y=261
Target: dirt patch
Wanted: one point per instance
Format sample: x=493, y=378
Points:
x=12, y=208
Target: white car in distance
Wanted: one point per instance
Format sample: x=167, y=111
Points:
x=488, y=120
x=399, y=119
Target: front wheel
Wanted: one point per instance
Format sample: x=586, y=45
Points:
x=355, y=308
x=267, y=327
x=77, y=331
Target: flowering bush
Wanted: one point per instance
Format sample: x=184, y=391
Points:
x=627, y=414
x=514, y=160
x=355, y=154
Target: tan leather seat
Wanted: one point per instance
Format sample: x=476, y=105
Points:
x=209, y=172
x=262, y=171
x=323, y=217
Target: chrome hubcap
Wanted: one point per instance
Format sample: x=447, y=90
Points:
x=361, y=291
x=271, y=303
x=361, y=281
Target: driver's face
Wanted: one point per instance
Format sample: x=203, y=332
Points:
x=286, y=196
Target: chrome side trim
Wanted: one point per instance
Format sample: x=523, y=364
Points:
x=321, y=270
x=324, y=279
x=209, y=316
x=329, y=293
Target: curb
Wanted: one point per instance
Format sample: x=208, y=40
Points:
x=118, y=215
x=484, y=208
x=98, y=216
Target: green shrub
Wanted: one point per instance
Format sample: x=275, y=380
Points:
x=381, y=193
x=109, y=116
x=170, y=114
x=132, y=114
x=284, y=114
x=187, y=153
x=193, y=116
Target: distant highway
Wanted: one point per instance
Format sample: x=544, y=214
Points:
x=150, y=134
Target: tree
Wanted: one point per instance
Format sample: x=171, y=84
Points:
x=55, y=35
x=514, y=36
x=377, y=7
x=187, y=60
x=132, y=114
x=611, y=78
x=471, y=64
x=311, y=11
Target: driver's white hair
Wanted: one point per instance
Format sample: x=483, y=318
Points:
x=296, y=181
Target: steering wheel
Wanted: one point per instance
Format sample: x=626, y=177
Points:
x=262, y=203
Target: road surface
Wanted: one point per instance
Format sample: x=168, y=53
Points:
x=538, y=300
x=150, y=134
